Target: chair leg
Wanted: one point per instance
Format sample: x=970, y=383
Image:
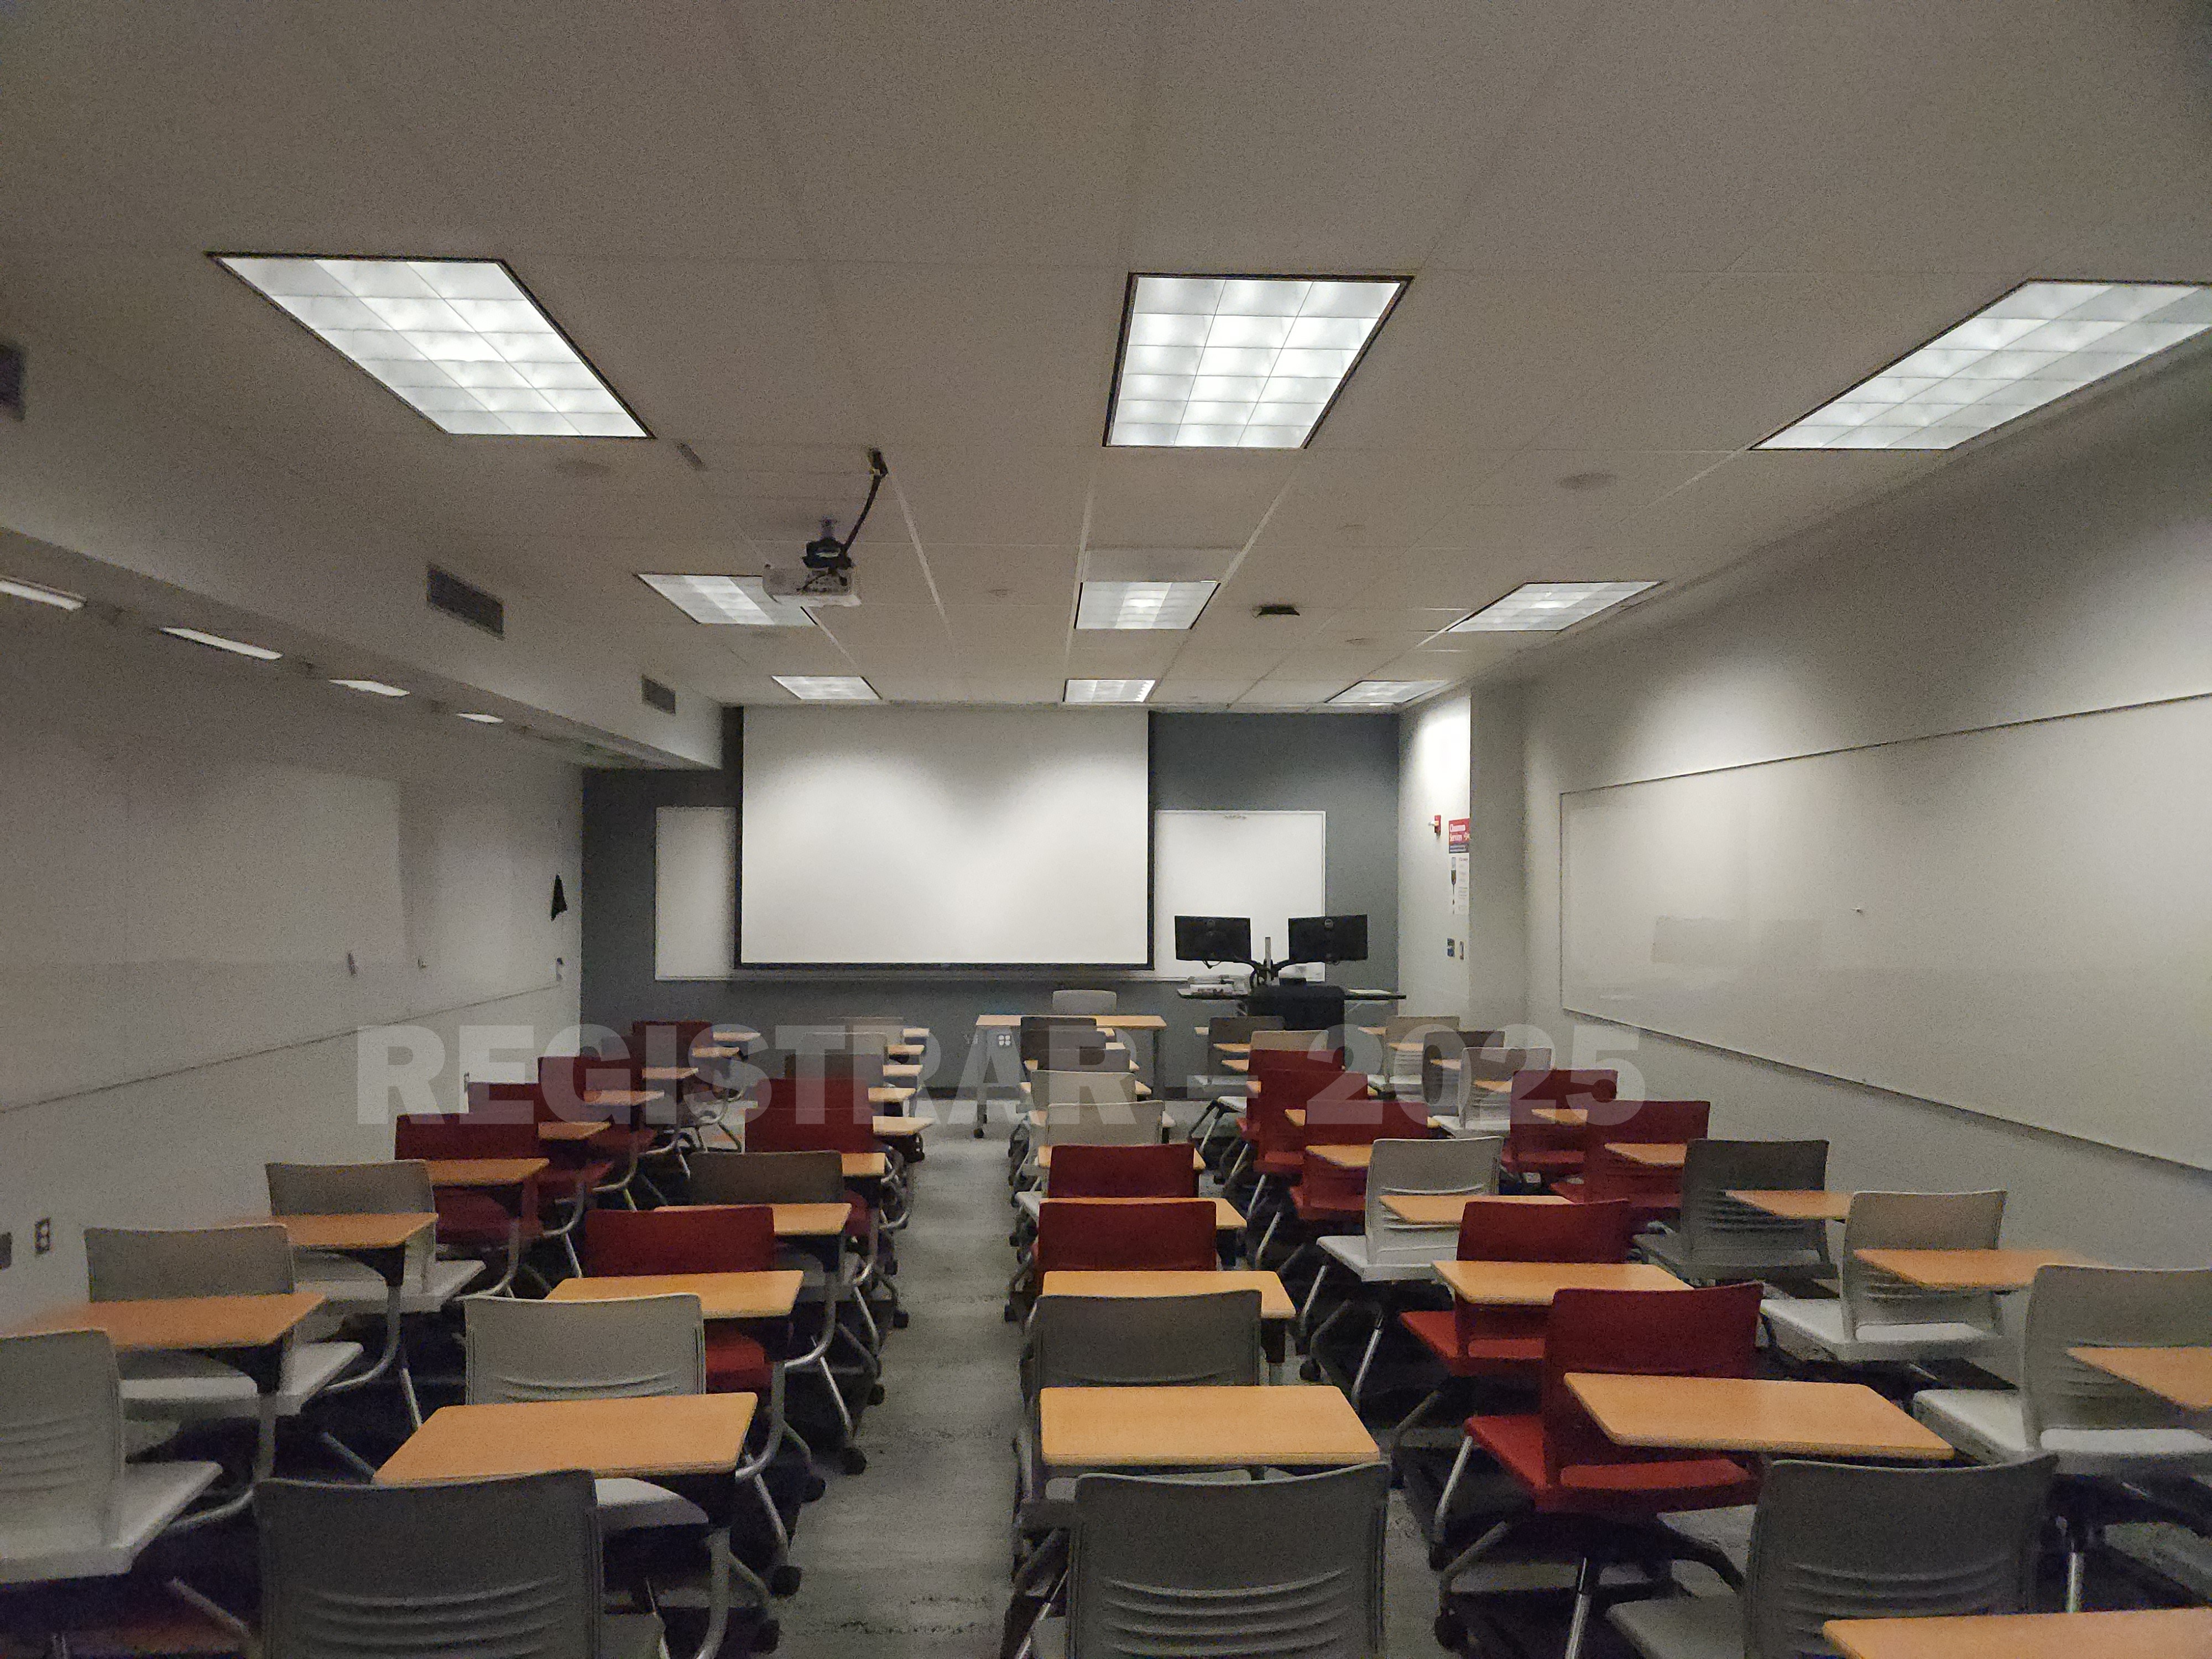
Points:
x=1586, y=1576
x=1442, y=1516
x=1313, y=1296
x=1404, y=1425
x=1367, y=1360
x=407, y=1390
x=347, y=1454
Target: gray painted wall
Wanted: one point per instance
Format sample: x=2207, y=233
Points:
x=1345, y=765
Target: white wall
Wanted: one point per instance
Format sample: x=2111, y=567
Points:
x=1435, y=751
x=1496, y=954
x=2067, y=570
x=261, y=1057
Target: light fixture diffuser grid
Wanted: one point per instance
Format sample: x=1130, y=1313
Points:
x=1547, y=607
x=1108, y=691
x=1120, y=605
x=2034, y=346
x=1239, y=363
x=1385, y=694
x=742, y=600
x=460, y=341
x=828, y=688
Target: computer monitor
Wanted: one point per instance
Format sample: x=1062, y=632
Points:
x=1213, y=939
x=1327, y=938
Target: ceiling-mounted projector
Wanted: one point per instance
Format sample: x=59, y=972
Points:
x=824, y=573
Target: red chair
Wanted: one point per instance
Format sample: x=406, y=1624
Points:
x=667, y=1041
x=1607, y=1177
x=1079, y=1171
x=814, y=1114
x=1171, y=1233
x=713, y=1238
x=575, y=1171
x=1538, y=1151
x=479, y=1219
x=1613, y=1494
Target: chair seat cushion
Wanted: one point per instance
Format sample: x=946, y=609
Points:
x=186, y=1387
x=148, y=1497
x=1818, y=1323
x=856, y=1219
x=1321, y=1210
x=736, y=1364
x=626, y=1504
x=1683, y=1626
x=1535, y=1160
x=565, y=1181
x=1671, y=1250
x=1437, y=1329
x=474, y=1218
x=1352, y=1250
x=351, y=1288
x=1990, y=1425
x=1660, y=1485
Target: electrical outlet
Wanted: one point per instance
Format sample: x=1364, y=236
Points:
x=42, y=1235
x=7, y=1250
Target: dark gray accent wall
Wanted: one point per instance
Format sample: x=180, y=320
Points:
x=1345, y=765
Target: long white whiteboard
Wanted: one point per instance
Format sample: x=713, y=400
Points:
x=2015, y=920
x=1268, y=866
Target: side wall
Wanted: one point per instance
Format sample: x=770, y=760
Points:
x=1434, y=757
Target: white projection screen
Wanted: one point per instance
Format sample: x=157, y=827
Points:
x=937, y=837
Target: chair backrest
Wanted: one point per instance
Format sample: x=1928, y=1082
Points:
x=505, y=1103
x=1167, y=1233
x=510, y=1566
x=1101, y=1123
x=646, y=1345
x=1468, y=1166
x=61, y=1442
x=721, y=1177
x=710, y=1238
x=667, y=1041
x=1587, y=1088
x=811, y=1114
x=1500, y=1230
x=1049, y=1087
x=428, y=1137
x=1720, y=1230
x=2110, y=1308
x=1164, y=1565
x=129, y=1264
x=1095, y=1172
x=1689, y=1333
x=1084, y=1002
x=1851, y=1541
x=1916, y=1221
x=563, y=1080
x=1241, y=1028
x=1347, y=1113
x=1292, y=1077
x=394, y=1188
x=1060, y=1041
x=1127, y=1341
x=1268, y=1034
x=1646, y=1121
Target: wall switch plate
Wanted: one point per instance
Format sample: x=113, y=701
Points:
x=42, y=1235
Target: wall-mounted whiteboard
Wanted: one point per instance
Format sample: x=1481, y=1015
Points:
x=695, y=891
x=2016, y=920
x=931, y=837
x=1268, y=866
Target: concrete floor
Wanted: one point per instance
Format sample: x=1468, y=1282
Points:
x=910, y=1559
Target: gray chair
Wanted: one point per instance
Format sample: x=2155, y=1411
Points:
x=1223, y=1090
x=1084, y=1002
x=2101, y=1427
x=1842, y=1540
x=1721, y=1239
x=508, y=1566
x=70, y=1506
x=1449, y=1081
x=1288, y=1566
x=1397, y=1070
x=1882, y=1319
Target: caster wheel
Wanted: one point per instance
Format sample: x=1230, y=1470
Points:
x=1450, y=1636
x=853, y=1461
x=876, y=1394
x=766, y=1635
x=783, y=1580
x=901, y=1319
x=815, y=1489
x=1309, y=1370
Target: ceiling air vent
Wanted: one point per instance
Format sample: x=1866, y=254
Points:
x=466, y=603
x=1274, y=611
x=657, y=696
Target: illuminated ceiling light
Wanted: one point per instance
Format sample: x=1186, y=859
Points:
x=2041, y=342
x=1142, y=604
x=1108, y=691
x=374, y=688
x=1547, y=607
x=37, y=595
x=1385, y=694
x=1239, y=363
x=459, y=341
x=743, y=600
x=485, y=720
x=236, y=647
x=828, y=688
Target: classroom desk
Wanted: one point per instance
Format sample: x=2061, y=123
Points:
x=737, y=1036
x=1559, y=1117
x=1242, y=1066
x=1446, y=1209
x=887, y=1094
x=718, y=1051
x=998, y=1022
x=1226, y=1216
x=1534, y=1283
x=2180, y=1375
x=912, y=1050
x=1274, y=1301
x=1969, y=1270
x=350, y=1235
x=1652, y=1154
x=1044, y=1159
x=811, y=1220
x=669, y=1074
x=1754, y=1415
x=1790, y=1204
x=899, y=1129
x=1238, y=1048
x=564, y=1132
x=1156, y=1428
x=905, y=1071
x=768, y=1295
x=651, y=1437
x=2162, y=1633
x=484, y=1171
x=863, y=1166
x=629, y=1100
x=1345, y=1157
x=184, y=1322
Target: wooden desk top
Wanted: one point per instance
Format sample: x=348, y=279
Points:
x=1445, y=1209
x=630, y=1098
x=1274, y=1300
x=811, y=1220
x=484, y=1171
x=1652, y=1154
x=889, y=1094
x=669, y=1074
x=1238, y=1063
x=1044, y=1159
x=2180, y=1375
x=717, y=1051
x=1754, y=1414
x=351, y=1232
x=658, y=1434
x=1968, y=1270
x=1229, y=1048
x=1534, y=1283
x=1295, y=1117
x=1200, y=1427
x=894, y=1128
x=184, y=1321
x=2164, y=1633
x=863, y=1166
x=1793, y=1205
x=1227, y=1216
x=565, y=1131
x=998, y=1022
x=905, y=1071
x=1563, y=1117
x=735, y=1034
x=1345, y=1157
x=914, y=1050
x=1131, y=1023
x=769, y=1295
x=916, y=1033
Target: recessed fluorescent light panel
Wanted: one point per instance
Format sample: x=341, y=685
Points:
x=1108, y=691
x=1546, y=607
x=828, y=688
x=237, y=647
x=1239, y=363
x=1142, y=604
x=485, y=720
x=742, y=600
x=374, y=688
x=1385, y=694
x=2041, y=342
x=459, y=340
x=37, y=595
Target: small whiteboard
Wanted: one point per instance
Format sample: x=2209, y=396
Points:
x=1268, y=866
